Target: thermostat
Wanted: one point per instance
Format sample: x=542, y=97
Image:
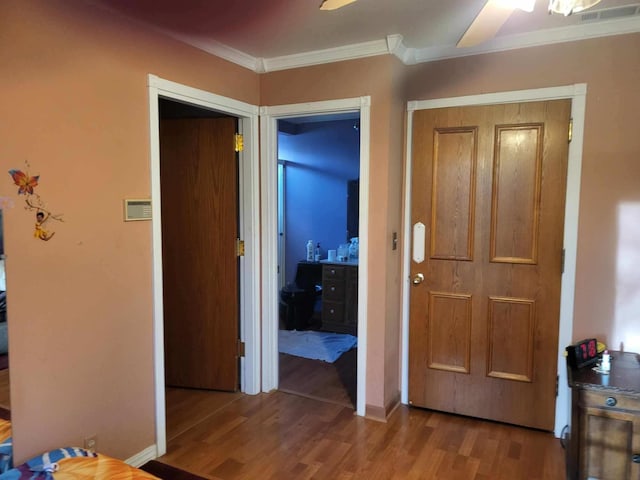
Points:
x=137, y=209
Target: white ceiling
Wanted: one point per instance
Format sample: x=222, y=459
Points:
x=272, y=34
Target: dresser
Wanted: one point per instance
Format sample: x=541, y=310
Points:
x=604, y=441
x=340, y=297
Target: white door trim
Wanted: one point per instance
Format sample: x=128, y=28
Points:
x=577, y=93
x=269, y=154
x=249, y=230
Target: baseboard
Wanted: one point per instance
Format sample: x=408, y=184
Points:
x=380, y=414
x=140, y=458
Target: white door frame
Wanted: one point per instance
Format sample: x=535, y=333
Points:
x=249, y=221
x=269, y=117
x=577, y=93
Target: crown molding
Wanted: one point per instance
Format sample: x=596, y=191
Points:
x=328, y=55
x=394, y=45
x=221, y=50
x=533, y=39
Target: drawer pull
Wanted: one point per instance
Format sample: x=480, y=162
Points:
x=333, y=272
x=636, y=458
x=611, y=402
x=333, y=289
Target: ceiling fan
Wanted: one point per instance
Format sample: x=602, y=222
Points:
x=334, y=4
x=496, y=12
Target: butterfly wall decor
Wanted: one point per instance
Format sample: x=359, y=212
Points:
x=26, y=184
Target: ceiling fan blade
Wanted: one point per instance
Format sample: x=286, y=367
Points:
x=334, y=4
x=486, y=24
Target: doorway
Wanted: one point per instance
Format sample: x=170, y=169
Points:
x=488, y=183
x=270, y=279
x=318, y=211
x=577, y=94
x=248, y=228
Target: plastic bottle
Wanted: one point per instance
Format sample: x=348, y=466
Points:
x=605, y=365
x=310, y=251
x=317, y=255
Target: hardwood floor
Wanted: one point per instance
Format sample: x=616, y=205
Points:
x=331, y=382
x=284, y=436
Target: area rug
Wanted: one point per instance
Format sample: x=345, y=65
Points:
x=315, y=345
x=167, y=472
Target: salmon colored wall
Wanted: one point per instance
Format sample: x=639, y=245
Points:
x=607, y=299
x=371, y=76
x=75, y=106
x=75, y=97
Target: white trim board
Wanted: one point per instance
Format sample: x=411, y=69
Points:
x=269, y=155
x=577, y=93
x=394, y=45
x=249, y=220
x=140, y=458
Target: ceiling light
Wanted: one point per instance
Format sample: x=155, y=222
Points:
x=334, y=4
x=567, y=7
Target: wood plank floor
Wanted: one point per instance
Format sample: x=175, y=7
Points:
x=331, y=382
x=284, y=436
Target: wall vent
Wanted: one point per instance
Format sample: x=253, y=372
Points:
x=610, y=13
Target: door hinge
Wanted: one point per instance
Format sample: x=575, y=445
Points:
x=240, y=348
x=239, y=248
x=562, y=257
x=570, y=133
x=557, y=384
x=238, y=141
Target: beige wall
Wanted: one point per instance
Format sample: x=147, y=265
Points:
x=607, y=300
x=75, y=105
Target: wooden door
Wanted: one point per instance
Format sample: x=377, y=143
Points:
x=199, y=186
x=489, y=187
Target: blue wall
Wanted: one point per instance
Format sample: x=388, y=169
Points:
x=319, y=160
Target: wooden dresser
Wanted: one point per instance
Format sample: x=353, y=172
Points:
x=604, y=443
x=340, y=298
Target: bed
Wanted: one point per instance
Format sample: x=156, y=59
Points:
x=74, y=463
x=63, y=464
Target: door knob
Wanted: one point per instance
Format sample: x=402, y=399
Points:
x=418, y=278
x=636, y=458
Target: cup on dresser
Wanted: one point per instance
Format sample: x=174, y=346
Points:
x=332, y=254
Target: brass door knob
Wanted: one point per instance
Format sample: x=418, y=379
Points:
x=418, y=278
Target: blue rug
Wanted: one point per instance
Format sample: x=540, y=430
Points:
x=315, y=345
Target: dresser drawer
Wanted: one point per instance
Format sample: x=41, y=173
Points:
x=594, y=399
x=332, y=271
x=333, y=290
x=333, y=311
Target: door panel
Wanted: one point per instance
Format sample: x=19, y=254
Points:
x=489, y=185
x=199, y=187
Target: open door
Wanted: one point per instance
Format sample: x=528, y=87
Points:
x=199, y=192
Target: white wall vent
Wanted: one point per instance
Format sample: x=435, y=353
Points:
x=610, y=13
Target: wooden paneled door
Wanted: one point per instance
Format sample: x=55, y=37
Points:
x=199, y=184
x=488, y=191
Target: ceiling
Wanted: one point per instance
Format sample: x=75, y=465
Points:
x=267, y=35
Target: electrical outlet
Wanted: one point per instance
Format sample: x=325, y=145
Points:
x=91, y=443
